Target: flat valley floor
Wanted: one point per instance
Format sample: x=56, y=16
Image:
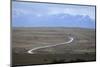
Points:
x=34, y=39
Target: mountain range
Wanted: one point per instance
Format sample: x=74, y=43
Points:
x=56, y=20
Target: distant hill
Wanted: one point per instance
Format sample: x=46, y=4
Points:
x=56, y=20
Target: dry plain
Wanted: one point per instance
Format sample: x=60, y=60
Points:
x=81, y=49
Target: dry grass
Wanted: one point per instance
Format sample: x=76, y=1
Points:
x=81, y=49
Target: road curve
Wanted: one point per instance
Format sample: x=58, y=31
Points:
x=30, y=51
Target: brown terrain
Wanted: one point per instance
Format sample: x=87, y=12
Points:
x=81, y=49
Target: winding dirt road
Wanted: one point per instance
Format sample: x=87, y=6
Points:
x=31, y=51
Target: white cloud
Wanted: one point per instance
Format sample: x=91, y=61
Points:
x=53, y=10
x=71, y=11
x=20, y=11
x=39, y=15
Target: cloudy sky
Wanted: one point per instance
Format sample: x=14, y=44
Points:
x=34, y=14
